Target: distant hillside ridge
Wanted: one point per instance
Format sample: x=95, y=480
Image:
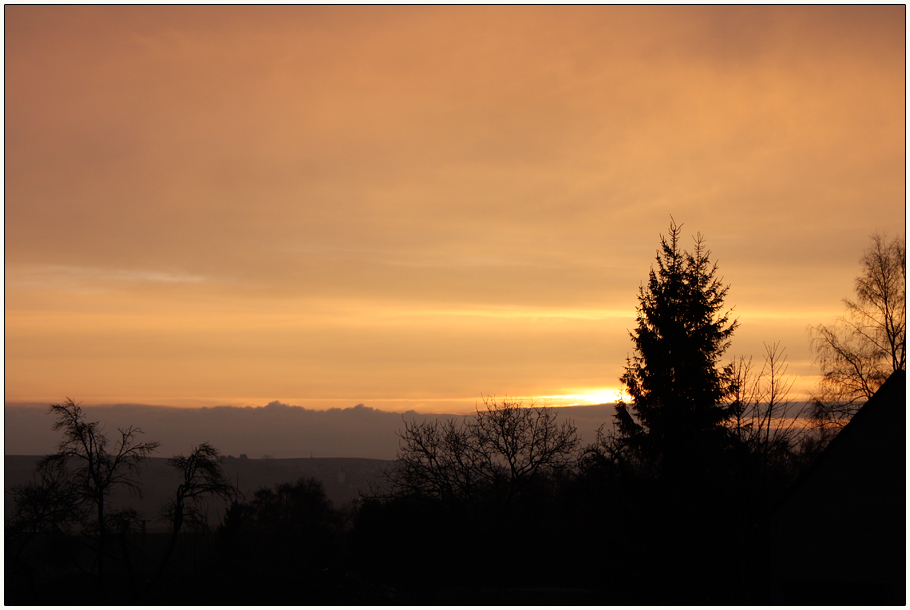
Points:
x=345, y=479
x=277, y=430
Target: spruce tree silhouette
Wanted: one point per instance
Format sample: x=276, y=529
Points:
x=672, y=437
x=677, y=390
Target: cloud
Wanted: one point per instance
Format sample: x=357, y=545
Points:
x=213, y=203
x=57, y=275
x=276, y=429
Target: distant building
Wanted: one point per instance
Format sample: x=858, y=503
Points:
x=840, y=536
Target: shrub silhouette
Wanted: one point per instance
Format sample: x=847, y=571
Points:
x=291, y=526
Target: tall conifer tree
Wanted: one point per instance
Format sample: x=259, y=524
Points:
x=677, y=410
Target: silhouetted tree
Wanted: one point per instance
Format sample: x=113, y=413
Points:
x=862, y=348
x=123, y=524
x=292, y=524
x=677, y=391
x=47, y=504
x=94, y=471
x=501, y=448
x=477, y=486
x=202, y=478
x=46, y=511
x=763, y=415
x=765, y=419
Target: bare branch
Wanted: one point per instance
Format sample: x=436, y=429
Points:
x=863, y=348
x=501, y=448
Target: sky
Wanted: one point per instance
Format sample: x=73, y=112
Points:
x=412, y=207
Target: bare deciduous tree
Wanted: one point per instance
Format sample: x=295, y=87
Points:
x=95, y=472
x=763, y=416
x=502, y=447
x=866, y=345
x=47, y=504
x=202, y=478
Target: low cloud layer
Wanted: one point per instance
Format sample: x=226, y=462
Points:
x=277, y=430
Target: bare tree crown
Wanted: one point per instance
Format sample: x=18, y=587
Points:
x=865, y=346
x=503, y=446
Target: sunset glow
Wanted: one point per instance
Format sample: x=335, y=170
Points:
x=598, y=396
x=411, y=207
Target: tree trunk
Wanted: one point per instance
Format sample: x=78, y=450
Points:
x=175, y=531
x=102, y=539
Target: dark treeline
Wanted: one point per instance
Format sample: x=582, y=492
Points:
x=676, y=503
x=503, y=507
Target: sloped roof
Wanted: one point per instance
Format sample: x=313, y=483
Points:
x=843, y=524
x=870, y=452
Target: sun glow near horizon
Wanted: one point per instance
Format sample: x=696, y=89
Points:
x=589, y=396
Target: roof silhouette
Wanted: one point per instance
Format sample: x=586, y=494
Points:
x=840, y=535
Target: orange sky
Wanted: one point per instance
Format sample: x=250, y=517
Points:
x=409, y=207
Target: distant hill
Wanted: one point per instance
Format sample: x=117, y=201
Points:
x=277, y=430
x=344, y=478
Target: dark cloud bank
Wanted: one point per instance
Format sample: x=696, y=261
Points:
x=277, y=430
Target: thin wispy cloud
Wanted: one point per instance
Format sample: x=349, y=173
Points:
x=53, y=275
